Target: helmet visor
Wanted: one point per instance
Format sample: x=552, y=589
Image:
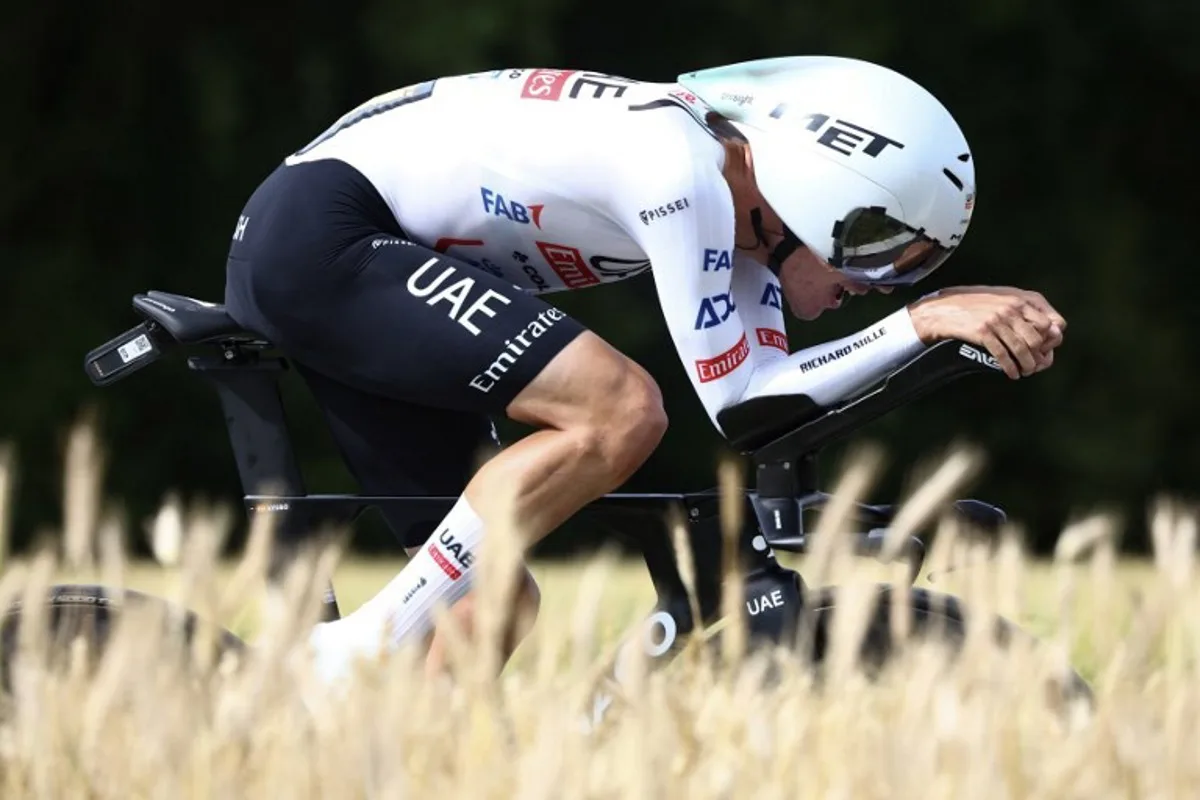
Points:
x=871, y=247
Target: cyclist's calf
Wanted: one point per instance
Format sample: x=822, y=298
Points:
x=526, y=603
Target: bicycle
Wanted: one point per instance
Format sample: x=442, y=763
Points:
x=781, y=436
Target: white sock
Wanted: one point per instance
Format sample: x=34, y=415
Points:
x=440, y=572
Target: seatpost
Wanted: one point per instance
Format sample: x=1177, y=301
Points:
x=248, y=387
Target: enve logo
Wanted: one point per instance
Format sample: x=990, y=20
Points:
x=968, y=352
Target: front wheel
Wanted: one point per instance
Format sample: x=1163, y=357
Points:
x=933, y=616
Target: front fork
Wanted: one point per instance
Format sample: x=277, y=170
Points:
x=772, y=595
x=771, y=602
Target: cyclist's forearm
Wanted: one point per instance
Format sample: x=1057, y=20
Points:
x=832, y=371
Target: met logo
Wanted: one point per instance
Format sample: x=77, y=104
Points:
x=495, y=204
x=716, y=260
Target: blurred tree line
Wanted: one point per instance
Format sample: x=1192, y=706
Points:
x=134, y=135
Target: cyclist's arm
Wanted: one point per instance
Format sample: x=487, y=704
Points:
x=691, y=252
x=834, y=371
x=722, y=329
x=826, y=372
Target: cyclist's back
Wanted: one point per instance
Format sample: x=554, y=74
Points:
x=528, y=161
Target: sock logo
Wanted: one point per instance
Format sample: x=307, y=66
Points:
x=463, y=557
x=409, y=594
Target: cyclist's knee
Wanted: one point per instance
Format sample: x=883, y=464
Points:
x=632, y=420
x=605, y=401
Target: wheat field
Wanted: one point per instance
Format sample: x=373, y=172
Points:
x=156, y=719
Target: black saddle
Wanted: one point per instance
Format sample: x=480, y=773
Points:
x=188, y=320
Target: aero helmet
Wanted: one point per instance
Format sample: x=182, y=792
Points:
x=865, y=167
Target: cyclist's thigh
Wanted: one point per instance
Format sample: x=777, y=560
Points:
x=396, y=448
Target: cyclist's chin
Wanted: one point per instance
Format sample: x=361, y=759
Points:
x=809, y=305
x=808, y=310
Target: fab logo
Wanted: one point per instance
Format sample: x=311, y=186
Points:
x=495, y=204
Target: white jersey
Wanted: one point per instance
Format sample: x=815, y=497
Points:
x=562, y=179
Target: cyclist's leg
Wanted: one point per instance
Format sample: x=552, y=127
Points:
x=600, y=417
x=396, y=448
x=523, y=614
x=392, y=318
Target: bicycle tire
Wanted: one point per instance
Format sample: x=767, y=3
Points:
x=933, y=614
x=91, y=611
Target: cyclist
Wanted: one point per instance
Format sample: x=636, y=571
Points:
x=401, y=260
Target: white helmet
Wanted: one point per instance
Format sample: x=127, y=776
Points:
x=864, y=167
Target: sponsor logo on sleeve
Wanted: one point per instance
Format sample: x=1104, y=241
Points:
x=711, y=369
x=717, y=260
x=770, y=296
x=567, y=262
x=842, y=352
x=769, y=337
x=648, y=215
x=546, y=84
x=714, y=310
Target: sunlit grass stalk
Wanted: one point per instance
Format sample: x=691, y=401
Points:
x=155, y=719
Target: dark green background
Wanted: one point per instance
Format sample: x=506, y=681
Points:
x=134, y=131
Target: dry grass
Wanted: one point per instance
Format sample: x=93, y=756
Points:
x=157, y=720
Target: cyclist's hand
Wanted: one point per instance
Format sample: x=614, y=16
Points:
x=1019, y=328
x=1034, y=297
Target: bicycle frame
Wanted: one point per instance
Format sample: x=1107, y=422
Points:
x=781, y=436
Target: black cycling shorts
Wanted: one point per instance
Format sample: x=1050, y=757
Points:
x=405, y=350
